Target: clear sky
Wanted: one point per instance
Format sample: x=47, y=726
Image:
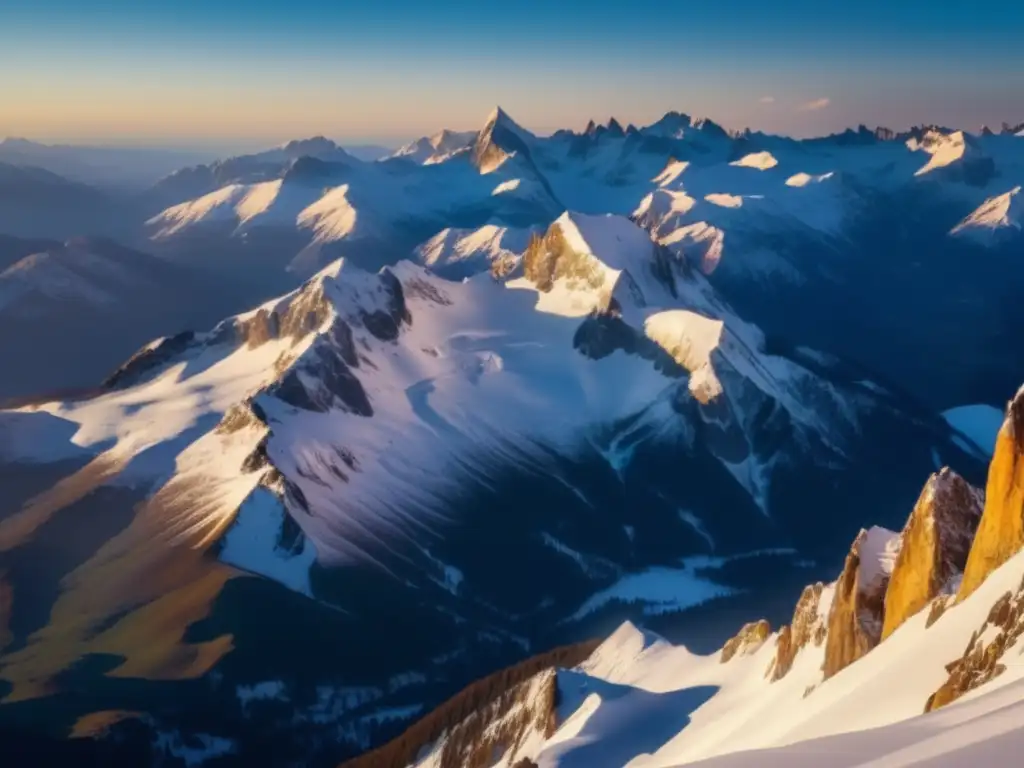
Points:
x=254, y=72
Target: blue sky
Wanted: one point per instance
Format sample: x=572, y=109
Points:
x=217, y=73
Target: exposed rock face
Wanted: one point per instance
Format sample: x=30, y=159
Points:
x=499, y=139
x=948, y=547
x=858, y=608
x=982, y=660
x=549, y=258
x=749, y=639
x=500, y=718
x=1001, y=530
x=808, y=625
x=934, y=546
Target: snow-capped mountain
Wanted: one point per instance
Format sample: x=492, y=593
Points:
x=355, y=451
x=457, y=253
x=997, y=217
x=908, y=657
x=437, y=148
x=772, y=221
x=198, y=180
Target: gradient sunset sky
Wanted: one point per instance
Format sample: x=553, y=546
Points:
x=224, y=73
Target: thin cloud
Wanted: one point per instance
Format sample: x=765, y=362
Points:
x=812, y=106
x=767, y=100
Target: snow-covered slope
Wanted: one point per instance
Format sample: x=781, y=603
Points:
x=733, y=708
x=913, y=696
x=773, y=221
x=437, y=148
x=458, y=253
x=994, y=217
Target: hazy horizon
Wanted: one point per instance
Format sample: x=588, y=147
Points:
x=218, y=74
x=250, y=144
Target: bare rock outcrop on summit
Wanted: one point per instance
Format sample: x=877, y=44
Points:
x=935, y=543
x=748, y=640
x=858, y=608
x=1001, y=530
x=809, y=625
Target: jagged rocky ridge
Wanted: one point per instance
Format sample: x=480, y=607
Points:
x=888, y=581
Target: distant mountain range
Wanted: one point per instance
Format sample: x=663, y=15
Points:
x=121, y=167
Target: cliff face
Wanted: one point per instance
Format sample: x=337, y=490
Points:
x=886, y=579
x=1001, y=530
x=808, y=626
x=858, y=608
x=748, y=640
x=935, y=544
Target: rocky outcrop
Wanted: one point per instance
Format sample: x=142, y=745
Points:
x=499, y=139
x=953, y=539
x=1000, y=533
x=548, y=258
x=858, y=607
x=749, y=640
x=886, y=578
x=982, y=660
x=808, y=626
x=934, y=546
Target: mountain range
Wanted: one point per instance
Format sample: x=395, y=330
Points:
x=297, y=444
